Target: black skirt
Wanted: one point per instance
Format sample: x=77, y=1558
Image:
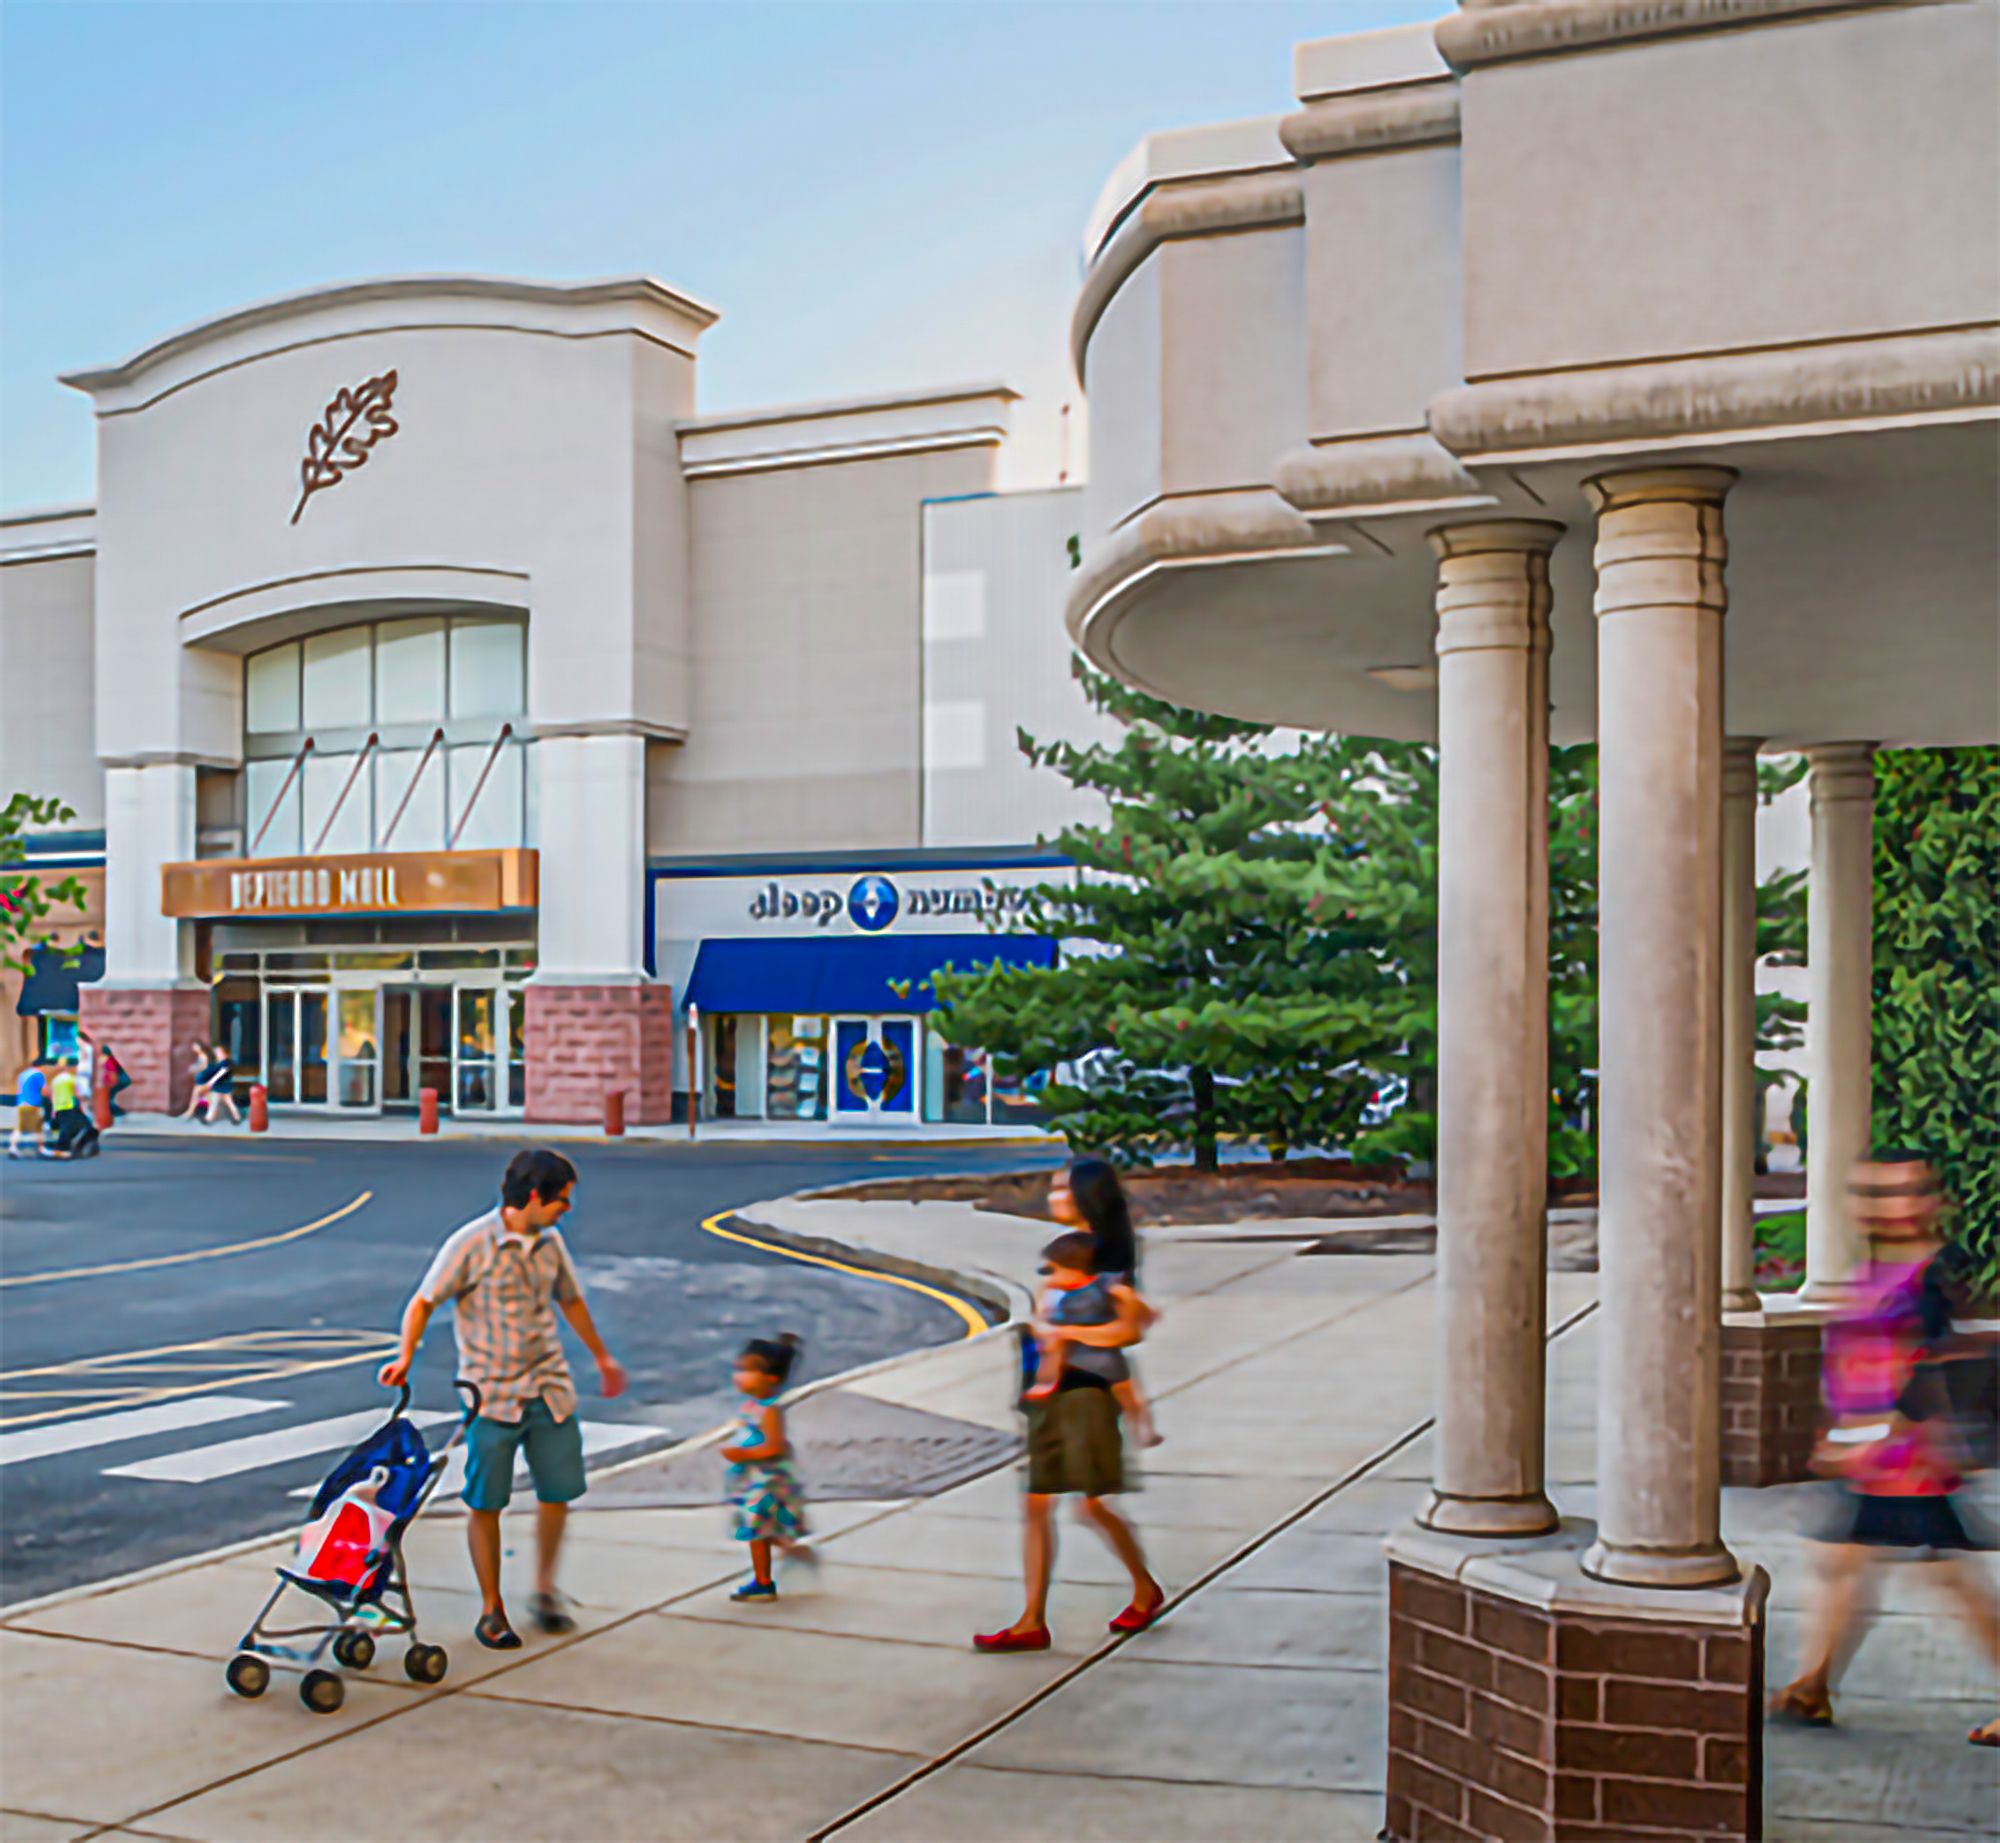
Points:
x=1903, y=1523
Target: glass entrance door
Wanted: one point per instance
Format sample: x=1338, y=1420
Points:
x=874, y=1069
x=416, y=1044
x=357, y=1045
x=475, y=1079
x=295, y=1045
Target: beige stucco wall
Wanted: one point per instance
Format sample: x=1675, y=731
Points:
x=806, y=597
x=1830, y=178
x=46, y=745
x=532, y=467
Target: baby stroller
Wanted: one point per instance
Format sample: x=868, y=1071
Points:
x=351, y=1560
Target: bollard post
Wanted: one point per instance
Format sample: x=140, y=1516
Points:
x=614, y=1113
x=427, y=1110
x=260, y=1108
x=100, y=1107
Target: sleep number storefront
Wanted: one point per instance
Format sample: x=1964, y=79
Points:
x=793, y=974
x=356, y=982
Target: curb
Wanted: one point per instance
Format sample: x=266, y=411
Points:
x=1010, y=1302
x=646, y=1137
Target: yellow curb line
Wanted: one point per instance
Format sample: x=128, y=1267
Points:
x=193, y=1254
x=975, y=1323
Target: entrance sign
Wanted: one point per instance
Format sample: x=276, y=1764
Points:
x=371, y=883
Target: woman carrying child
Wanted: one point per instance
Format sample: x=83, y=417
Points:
x=762, y=1482
x=1089, y=1197
x=1089, y=1314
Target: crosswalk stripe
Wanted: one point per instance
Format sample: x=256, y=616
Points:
x=196, y=1465
x=598, y=1437
x=133, y=1424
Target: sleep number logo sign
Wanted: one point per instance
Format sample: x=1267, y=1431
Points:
x=871, y=904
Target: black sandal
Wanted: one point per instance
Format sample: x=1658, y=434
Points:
x=495, y=1633
x=549, y=1614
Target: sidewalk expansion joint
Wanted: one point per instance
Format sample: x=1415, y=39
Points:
x=1033, y=1701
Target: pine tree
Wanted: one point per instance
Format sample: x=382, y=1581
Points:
x=1223, y=968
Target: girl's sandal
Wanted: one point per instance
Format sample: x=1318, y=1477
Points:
x=1807, y=1708
x=1987, y=1736
x=1136, y=1618
x=1010, y=1640
x=495, y=1633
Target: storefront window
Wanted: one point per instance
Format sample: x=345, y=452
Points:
x=338, y=680
x=271, y=690
x=464, y=674
x=956, y=1082
x=517, y=1048
x=1017, y=1099
x=475, y=1048
x=795, y=1069
x=409, y=672
x=239, y=1015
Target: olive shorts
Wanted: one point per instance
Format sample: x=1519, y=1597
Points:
x=1075, y=1444
x=555, y=1458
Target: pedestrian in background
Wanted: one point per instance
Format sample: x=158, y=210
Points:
x=31, y=1091
x=1893, y=1438
x=115, y=1077
x=197, y=1107
x=71, y=1135
x=762, y=1482
x=221, y=1083
x=506, y=1274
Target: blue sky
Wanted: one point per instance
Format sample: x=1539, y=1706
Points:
x=876, y=196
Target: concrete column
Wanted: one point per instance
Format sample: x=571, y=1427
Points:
x=591, y=833
x=1493, y=1035
x=149, y=820
x=1840, y=956
x=1739, y=1025
x=1660, y=603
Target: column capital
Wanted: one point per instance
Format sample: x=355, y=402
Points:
x=1481, y=536
x=1840, y=771
x=1739, y=767
x=1701, y=486
x=1493, y=585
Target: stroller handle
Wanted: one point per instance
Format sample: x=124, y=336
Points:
x=470, y=1390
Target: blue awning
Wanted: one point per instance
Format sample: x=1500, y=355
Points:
x=813, y=977
x=53, y=977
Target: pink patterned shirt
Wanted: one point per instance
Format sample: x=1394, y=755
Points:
x=505, y=1290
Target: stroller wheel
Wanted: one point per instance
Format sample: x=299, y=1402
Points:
x=322, y=1691
x=355, y=1650
x=248, y=1674
x=425, y=1663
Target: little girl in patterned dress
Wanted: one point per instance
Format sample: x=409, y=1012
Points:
x=761, y=1483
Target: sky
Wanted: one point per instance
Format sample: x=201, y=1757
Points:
x=877, y=196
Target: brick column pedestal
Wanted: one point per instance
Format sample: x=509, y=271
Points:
x=151, y=1028
x=1770, y=1398
x=1528, y=1700
x=586, y=1040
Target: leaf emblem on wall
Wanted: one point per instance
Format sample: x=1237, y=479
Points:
x=357, y=418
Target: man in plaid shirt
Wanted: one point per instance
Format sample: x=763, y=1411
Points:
x=505, y=1273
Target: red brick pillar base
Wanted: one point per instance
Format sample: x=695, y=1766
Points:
x=151, y=1028
x=1526, y=1700
x=1770, y=1398
x=586, y=1040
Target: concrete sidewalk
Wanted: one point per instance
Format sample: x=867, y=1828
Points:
x=1294, y=1393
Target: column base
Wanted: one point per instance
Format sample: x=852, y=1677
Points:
x=1489, y=1516
x=1675, y=1570
x=1770, y=1398
x=585, y=1041
x=152, y=1029
x=1528, y=1700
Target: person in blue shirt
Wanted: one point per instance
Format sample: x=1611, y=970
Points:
x=31, y=1094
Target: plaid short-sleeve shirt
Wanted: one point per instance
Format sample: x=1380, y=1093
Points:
x=505, y=1290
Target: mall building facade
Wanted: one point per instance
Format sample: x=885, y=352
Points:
x=445, y=704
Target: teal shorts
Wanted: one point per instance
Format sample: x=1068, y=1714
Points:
x=555, y=1458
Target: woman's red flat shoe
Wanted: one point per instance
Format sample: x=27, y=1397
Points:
x=1037, y=1640
x=1136, y=1618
